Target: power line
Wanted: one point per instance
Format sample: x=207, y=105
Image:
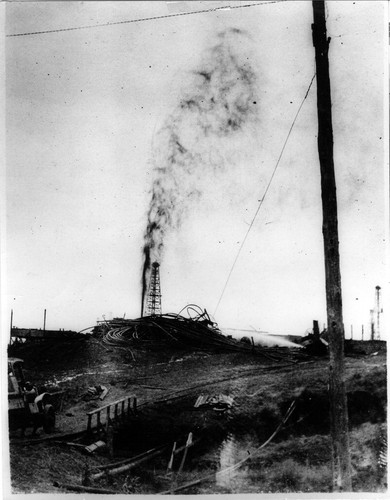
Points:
x=215, y=9
x=265, y=194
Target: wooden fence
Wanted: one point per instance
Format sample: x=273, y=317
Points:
x=116, y=412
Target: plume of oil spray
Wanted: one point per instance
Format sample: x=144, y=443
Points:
x=220, y=102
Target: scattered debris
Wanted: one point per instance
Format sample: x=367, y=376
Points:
x=95, y=392
x=219, y=402
x=241, y=462
x=98, y=445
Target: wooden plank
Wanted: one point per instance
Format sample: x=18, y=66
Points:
x=113, y=465
x=178, y=450
x=127, y=467
x=105, y=406
x=187, y=445
x=170, y=463
x=98, y=420
x=108, y=417
x=52, y=437
x=84, y=489
x=89, y=425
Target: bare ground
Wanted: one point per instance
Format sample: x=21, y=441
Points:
x=297, y=459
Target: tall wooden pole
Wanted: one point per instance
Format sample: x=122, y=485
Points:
x=10, y=331
x=338, y=402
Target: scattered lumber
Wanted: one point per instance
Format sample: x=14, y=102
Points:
x=52, y=437
x=84, y=489
x=112, y=465
x=126, y=467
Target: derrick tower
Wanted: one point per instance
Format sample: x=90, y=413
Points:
x=153, y=300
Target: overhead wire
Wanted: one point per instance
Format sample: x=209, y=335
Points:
x=154, y=18
x=264, y=195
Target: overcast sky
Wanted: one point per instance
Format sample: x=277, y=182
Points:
x=85, y=113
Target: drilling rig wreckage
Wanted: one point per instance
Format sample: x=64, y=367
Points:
x=197, y=331
x=190, y=329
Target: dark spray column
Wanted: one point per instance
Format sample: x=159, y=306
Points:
x=338, y=402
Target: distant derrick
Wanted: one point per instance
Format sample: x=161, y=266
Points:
x=153, y=301
x=378, y=310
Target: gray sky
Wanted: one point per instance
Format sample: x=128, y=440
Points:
x=84, y=111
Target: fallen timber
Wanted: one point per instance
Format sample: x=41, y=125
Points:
x=51, y=437
x=125, y=461
x=84, y=489
x=237, y=465
x=131, y=464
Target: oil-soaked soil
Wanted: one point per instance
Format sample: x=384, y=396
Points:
x=167, y=385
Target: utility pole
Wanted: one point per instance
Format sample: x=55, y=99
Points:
x=10, y=330
x=341, y=461
x=372, y=321
x=378, y=310
x=44, y=320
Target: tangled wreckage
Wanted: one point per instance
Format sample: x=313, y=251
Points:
x=195, y=332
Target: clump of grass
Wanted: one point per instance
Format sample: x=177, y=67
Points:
x=287, y=477
x=131, y=484
x=290, y=476
x=366, y=443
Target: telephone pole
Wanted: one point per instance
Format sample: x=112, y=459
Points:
x=378, y=311
x=341, y=461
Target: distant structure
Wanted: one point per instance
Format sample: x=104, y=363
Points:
x=379, y=310
x=375, y=315
x=372, y=324
x=153, y=300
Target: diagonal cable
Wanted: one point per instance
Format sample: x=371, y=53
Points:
x=265, y=194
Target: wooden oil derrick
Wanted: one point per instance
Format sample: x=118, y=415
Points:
x=153, y=301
